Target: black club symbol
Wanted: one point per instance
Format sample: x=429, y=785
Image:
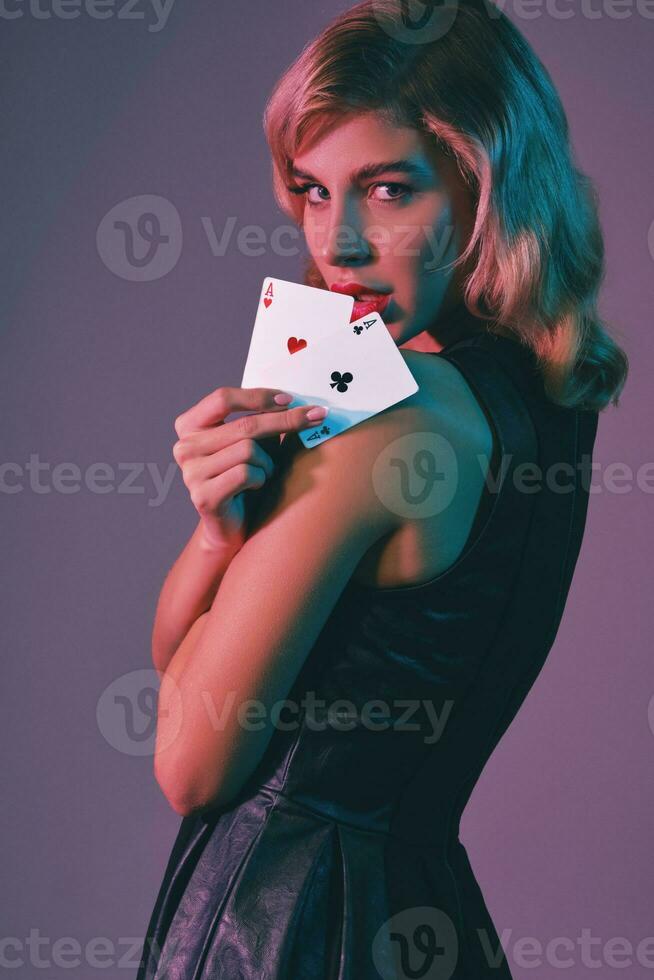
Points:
x=358, y=330
x=341, y=381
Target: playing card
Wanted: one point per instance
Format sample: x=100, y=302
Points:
x=356, y=372
x=290, y=318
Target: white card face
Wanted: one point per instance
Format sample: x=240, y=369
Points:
x=291, y=317
x=357, y=373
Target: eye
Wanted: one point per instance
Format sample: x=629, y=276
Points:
x=306, y=189
x=317, y=187
x=404, y=189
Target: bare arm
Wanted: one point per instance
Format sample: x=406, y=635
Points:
x=188, y=592
x=220, y=462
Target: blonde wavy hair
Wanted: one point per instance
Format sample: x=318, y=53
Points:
x=536, y=249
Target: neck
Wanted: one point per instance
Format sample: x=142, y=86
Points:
x=453, y=326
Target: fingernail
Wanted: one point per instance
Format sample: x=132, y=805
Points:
x=283, y=398
x=314, y=414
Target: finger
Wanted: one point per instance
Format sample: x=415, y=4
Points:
x=207, y=442
x=207, y=467
x=274, y=423
x=218, y=404
x=217, y=491
x=257, y=426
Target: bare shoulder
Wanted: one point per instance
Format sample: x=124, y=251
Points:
x=362, y=464
x=354, y=463
x=447, y=398
x=432, y=476
x=367, y=470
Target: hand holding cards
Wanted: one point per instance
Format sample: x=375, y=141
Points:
x=355, y=369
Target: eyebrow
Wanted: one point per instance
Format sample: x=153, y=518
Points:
x=375, y=170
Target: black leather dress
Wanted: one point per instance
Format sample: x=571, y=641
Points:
x=340, y=859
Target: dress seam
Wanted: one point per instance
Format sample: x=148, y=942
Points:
x=337, y=822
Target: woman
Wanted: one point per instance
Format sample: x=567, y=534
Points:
x=340, y=657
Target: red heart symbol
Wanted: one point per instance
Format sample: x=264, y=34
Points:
x=267, y=301
x=295, y=345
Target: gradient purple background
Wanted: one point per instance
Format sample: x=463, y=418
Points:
x=96, y=368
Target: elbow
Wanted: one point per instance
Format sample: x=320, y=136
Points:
x=181, y=807
x=179, y=796
x=180, y=799
x=186, y=798
x=185, y=805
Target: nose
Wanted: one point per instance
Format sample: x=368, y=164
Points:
x=345, y=240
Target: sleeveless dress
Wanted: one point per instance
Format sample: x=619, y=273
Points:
x=340, y=859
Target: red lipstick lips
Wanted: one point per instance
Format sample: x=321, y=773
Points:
x=367, y=299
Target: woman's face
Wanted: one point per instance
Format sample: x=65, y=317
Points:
x=392, y=229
